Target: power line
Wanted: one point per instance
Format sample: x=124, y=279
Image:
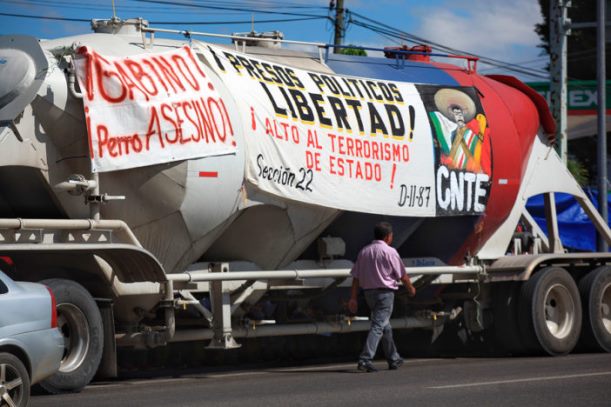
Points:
x=392, y=36
x=248, y=10
x=378, y=27
x=382, y=28
x=572, y=56
x=80, y=20
x=99, y=6
x=72, y=6
x=414, y=38
x=285, y=20
x=482, y=59
x=166, y=9
x=254, y=3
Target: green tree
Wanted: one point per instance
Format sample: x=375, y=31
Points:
x=579, y=171
x=582, y=41
x=352, y=50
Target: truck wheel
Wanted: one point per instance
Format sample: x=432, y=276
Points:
x=595, y=290
x=550, y=311
x=14, y=381
x=79, y=321
x=505, y=308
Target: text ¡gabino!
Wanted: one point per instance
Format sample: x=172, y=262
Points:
x=153, y=79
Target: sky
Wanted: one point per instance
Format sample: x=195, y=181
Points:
x=498, y=29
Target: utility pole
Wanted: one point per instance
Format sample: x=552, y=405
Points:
x=559, y=26
x=339, y=25
x=602, y=116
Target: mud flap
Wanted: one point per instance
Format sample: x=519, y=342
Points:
x=108, y=364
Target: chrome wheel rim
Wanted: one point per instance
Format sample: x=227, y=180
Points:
x=559, y=311
x=11, y=385
x=75, y=329
x=605, y=308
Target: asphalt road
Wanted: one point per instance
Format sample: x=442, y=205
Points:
x=575, y=380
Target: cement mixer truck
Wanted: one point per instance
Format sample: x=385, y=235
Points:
x=171, y=189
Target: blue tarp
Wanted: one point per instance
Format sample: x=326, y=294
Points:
x=576, y=230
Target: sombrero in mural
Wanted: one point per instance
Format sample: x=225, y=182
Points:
x=446, y=99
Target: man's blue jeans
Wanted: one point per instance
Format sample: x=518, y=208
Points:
x=381, y=304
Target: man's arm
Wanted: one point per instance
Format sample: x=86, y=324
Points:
x=400, y=272
x=352, y=304
x=408, y=285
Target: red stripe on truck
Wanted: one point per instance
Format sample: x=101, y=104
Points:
x=514, y=121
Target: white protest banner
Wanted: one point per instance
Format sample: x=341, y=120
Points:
x=150, y=109
x=350, y=143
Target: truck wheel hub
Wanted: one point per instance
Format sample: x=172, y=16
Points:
x=559, y=311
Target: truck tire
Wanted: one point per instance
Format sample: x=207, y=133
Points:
x=550, y=312
x=505, y=309
x=14, y=381
x=595, y=290
x=79, y=320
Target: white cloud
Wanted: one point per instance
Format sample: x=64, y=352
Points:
x=494, y=28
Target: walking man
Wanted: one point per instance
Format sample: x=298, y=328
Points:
x=377, y=270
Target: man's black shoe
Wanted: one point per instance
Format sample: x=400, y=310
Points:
x=395, y=365
x=366, y=367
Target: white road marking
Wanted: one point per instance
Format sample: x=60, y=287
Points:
x=223, y=375
x=531, y=379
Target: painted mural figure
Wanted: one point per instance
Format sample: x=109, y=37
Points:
x=462, y=133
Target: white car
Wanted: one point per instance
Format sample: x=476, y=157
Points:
x=31, y=346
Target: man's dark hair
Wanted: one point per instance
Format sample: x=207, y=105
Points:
x=381, y=230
